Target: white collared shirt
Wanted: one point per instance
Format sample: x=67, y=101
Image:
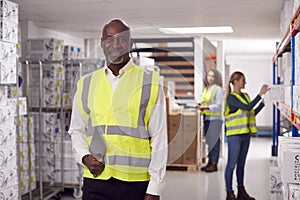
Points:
x=157, y=131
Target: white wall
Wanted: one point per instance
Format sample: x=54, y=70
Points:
x=30, y=30
x=38, y=32
x=258, y=71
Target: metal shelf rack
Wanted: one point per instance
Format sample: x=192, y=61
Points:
x=279, y=108
x=47, y=191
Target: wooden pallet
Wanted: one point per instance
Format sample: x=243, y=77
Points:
x=183, y=167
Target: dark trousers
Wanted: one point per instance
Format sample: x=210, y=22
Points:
x=212, y=131
x=238, y=146
x=113, y=189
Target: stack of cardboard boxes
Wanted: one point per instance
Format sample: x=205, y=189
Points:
x=184, y=129
x=183, y=138
x=12, y=148
x=57, y=84
x=44, y=49
x=27, y=155
x=289, y=164
x=72, y=53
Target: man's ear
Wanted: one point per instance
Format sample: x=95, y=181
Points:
x=100, y=42
x=131, y=43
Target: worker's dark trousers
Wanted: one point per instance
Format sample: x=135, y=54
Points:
x=113, y=189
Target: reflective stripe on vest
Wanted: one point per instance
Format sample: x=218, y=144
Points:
x=240, y=122
x=138, y=132
x=208, y=98
x=128, y=161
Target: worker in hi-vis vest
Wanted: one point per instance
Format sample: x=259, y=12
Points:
x=211, y=107
x=118, y=125
x=240, y=124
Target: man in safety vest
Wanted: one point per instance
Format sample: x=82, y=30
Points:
x=118, y=126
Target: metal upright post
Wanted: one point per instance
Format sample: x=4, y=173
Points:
x=40, y=127
x=276, y=119
x=28, y=93
x=62, y=126
x=294, y=129
x=18, y=131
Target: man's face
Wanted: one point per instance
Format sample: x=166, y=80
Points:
x=116, y=43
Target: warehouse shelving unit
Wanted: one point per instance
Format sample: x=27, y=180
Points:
x=279, y=108
x=44, y=191
x=76, y=69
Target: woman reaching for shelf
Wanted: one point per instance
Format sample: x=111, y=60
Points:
x=240, y=124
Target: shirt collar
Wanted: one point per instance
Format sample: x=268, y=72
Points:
x=122, y=71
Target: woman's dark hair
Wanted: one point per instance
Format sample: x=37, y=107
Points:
x=218, y=77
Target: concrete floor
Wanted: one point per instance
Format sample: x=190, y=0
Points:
x=211, y=186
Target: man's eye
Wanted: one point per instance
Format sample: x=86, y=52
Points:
x=122, y=39
x=109, y=40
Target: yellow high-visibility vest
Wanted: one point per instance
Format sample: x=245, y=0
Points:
x=208, y=98
x=119, y=120
x=242, y=121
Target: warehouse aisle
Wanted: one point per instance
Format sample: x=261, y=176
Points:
x=211, y=186
x=204, y=186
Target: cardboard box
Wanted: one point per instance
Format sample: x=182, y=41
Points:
x=174, y=122
x=45, y=44
x=7, y=136
x=293, y=191
x=22, y=104
x=44, y=56
x=7, y=114
x=8, y=157
x=9, y=31
x=10, y=193
x=8, y=177
x=8, y=52
x=51, y=71
x=9, y=11
x=190, y=138
x=8, y=73
x=3, y=95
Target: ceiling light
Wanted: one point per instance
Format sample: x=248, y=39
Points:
x=189, y=30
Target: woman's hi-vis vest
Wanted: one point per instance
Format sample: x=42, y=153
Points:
x=118, y=121
x=208, y=98
x=242, y=121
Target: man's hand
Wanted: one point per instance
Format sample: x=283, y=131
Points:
x=95, y=165
x=151, y=197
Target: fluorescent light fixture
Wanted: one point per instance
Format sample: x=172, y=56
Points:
x=189, y=30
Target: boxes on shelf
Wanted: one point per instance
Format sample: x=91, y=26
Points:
x=296, y=99
x=8, y=157
x=275, y=94
x=9, y=177
x=275, y=180
x=3, y=95
x=21, y=102
x=51, y=71
x=9, y=11
x=44, y=56
x=8, y=73
x=72, y=52
x=289, y=163
x=8, y=52
x=183, y=138
x=49, y=99
x=7, y=136
x=45, y=45
x=7, y=114
x=10, y=193
x=9, y=31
